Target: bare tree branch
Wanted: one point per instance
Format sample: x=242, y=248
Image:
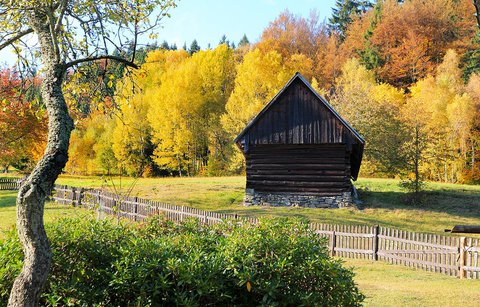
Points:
x=15, y=38
x=58, y=24
x=102, y=57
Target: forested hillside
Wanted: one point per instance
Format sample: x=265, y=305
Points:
x=405, y=74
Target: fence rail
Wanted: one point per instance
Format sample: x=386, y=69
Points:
x=453, y=256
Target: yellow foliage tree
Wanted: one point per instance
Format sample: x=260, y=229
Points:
x=186, y=107
x=91, y=146
x=448, y=115
x=132, y=136
x=373, y=109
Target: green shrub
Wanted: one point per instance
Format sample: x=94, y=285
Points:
x=278, y=262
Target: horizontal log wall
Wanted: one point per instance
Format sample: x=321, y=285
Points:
x=310, y=169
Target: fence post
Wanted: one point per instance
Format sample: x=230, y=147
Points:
x=375, y=242
x=136, y=208
x=462, y=258
x=80, y=195
x=100, y=207
x=64, y=195
x=73, y=201
x=115, y=207
x=333, y=243
x=182, y=213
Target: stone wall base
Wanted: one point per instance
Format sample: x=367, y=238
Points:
x=253, y=198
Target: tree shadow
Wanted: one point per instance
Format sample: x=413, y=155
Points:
x=463, y=203
x=8, y=199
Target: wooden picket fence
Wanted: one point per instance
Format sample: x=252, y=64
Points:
x=453, y=256
x=9, y=184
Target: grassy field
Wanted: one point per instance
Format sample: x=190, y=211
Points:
x=447, y=204
x=392, y=285
x=8, y=213
x=383, y=284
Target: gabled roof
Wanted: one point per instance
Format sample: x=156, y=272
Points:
x=320, y=98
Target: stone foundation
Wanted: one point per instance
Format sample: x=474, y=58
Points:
x=253, y=198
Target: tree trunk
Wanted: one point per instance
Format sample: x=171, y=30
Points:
x=39, y=184
x=473, y=156
x=417, y=158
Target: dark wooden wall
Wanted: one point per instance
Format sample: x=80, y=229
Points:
x=297, y=117
x=322, y=169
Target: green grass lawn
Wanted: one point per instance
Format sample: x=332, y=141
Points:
x=392, y=285
x=8, y=212
x=447, y=204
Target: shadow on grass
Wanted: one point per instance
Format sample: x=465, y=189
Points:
x=460, y=203
x=7, y=199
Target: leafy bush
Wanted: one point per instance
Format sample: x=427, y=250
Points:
x=278, y=262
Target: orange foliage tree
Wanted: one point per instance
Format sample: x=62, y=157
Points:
x=19, y=112
x=413, y=36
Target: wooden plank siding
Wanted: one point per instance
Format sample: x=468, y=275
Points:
x=298, y=118
x=307, y=169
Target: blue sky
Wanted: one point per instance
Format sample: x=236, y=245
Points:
x=207, y=20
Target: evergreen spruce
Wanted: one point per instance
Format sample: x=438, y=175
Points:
x=244, y=41
x=194, y=47
x=342, y=14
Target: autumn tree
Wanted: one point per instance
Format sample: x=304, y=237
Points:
x=373, y=109
x=90, y=148
x=20, y=110
x=132, y=134
x=188, y=104
x=328, y=63
x=411, y=38
x=132, y=138
x=471, y=59
x=472, y=173
x=289, y=34
x=68, y=33
x=448, y=113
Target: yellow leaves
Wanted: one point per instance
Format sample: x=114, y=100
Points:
x=388, y=94
x=300, y=63
x=258, y=79
x=153, y=35
x=355, y=77
x=448, y=72
x=249, y=286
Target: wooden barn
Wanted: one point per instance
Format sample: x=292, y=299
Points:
x=299, y=151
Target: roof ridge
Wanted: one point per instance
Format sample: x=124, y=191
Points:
x=323, y=100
